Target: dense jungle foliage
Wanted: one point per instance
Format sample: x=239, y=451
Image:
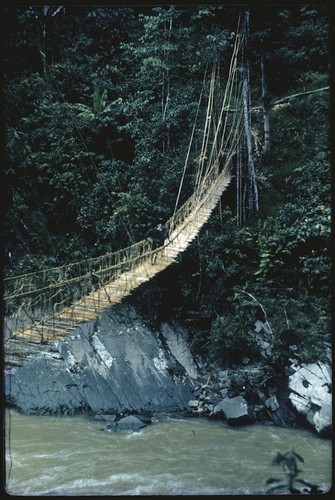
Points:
x=98, y=107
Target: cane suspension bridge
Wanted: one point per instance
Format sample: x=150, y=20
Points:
x=43, y=307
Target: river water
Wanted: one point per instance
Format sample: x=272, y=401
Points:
x=70, y=456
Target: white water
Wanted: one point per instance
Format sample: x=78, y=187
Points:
x=70, y=457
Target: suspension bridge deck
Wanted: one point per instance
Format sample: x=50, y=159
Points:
x=44, y=334
x=43, y=307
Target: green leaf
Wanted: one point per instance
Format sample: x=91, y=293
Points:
x=87, y=114
x=83, y=108
x=272, y=480
x=96, y=101
x=299, y=457
x=103, y=99
x=108, y=108
x=279, y=458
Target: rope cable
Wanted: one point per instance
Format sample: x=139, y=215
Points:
x=206, y=133
x=227, y=95
x=190, y=145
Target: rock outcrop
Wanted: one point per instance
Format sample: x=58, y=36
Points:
x=240, y=396
x=310, y=386
x=115, y=365
x=119, y=367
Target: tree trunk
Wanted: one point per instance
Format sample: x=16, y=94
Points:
x=239, y=211
x=43, y=46
x=266, y=107
x=166, y=91
x=251, y=174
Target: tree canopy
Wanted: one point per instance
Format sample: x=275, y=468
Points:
x=99, y=103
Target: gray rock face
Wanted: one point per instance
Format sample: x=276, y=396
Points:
x=117, y=366
x=114, y=366
x=310, y=387
x=176, y=342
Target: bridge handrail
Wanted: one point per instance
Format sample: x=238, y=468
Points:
x=109, y=264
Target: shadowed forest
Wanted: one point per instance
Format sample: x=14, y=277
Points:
x=98, y=108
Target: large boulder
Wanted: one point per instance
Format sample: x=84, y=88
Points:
x=129, y=423
x=235, y=410
x=310, y=386
x=114, y=365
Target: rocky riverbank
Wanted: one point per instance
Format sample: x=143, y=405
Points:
x=119, y=367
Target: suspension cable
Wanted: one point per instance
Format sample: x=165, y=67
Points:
x=190, y=143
